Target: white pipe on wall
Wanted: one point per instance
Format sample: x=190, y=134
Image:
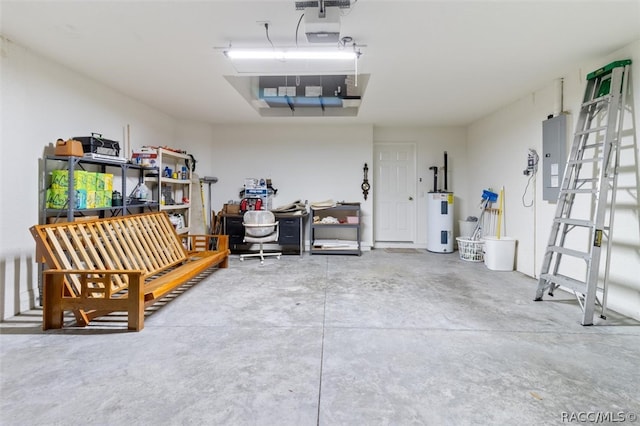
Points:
x=558, y=104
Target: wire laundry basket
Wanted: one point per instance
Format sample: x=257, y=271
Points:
x=470, y=250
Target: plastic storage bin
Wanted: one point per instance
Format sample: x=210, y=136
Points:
x=467, y=227
x=499, y=254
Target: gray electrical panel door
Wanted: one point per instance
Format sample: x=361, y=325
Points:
x=554, y=155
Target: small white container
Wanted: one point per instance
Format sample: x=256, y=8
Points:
x=466, y=228
x=499, y=254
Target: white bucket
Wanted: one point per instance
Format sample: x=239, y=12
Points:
x=499, y=254
x=466, y=228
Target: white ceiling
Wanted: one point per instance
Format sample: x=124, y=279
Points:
x=431, y=63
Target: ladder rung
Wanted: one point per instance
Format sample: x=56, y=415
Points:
x=605, y=98
x=579, y=191
x=575, y=222
x=593, y=145
x=564, y=281
x=585, y=160
x=586, y=180
x=594, y=130
x=570, y=252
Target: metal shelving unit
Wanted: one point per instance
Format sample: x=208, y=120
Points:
x=175, y=190
x=348, y=217
x=71, y=164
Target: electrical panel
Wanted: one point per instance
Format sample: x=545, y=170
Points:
x=554, y=155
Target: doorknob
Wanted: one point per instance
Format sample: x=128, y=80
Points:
x=410, y=198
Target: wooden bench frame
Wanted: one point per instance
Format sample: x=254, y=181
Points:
x=118, y=264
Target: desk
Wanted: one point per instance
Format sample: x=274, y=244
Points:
x=291, y=232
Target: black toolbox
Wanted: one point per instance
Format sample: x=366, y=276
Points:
x=97, y=144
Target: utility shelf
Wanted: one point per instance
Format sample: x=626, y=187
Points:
x=342, y=237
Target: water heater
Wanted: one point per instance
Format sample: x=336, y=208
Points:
x=440, y=222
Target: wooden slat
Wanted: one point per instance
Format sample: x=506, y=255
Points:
x=110, y=255
x=93, y=287
x=64, y=235
x=142, y=238
x=157, y=225
x=153, y=236
x=168, y=232
x=80, y=244
x=91, y=245
x=61, y=256
x=114, y=244
x=116, y=255
x=164, y=243
x=102, y=259
x=57, y=251
x=127, y=245
x=118, y=282
x=173, y=257
x=42, y=253
x=130, y=233
x=86, y=261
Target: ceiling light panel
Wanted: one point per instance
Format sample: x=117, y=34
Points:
x=293, y=61
x=284, y=55
x=343, y=4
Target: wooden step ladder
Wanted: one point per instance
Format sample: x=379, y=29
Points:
x=586, y=200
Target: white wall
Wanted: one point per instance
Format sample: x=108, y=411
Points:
x=304, y=162
x=43, y=101
x=497, y=153
x=431, y=143
x=319, y=162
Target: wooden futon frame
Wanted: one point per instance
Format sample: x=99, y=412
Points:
x=118, y=264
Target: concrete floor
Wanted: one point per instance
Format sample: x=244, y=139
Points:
x=381, y=339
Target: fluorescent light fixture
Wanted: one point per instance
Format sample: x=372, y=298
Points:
x=283, y=55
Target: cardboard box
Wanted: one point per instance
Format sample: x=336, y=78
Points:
x=100, y=199
x=103, y=199
x=231, y=208
x=352, y=219
x=69, y=148
x=60, y=179
x=108, y=198
x=91, y=181
x=147, y=157
x=81, y=199
x=58, y=199
x=104, y=182
x=91, y=199
x=108, y=182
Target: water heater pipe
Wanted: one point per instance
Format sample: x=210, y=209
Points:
x=435, y=178
x=445, y=171
x=558, y=107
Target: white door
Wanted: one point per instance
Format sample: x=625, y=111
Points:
x=394, y=192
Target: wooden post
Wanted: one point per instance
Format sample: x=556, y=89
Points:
x=135, y=317
x=52, y=300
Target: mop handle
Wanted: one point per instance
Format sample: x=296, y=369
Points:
x=500, y=204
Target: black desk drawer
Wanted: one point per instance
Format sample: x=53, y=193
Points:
x=289, y=231
x=234, y=229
